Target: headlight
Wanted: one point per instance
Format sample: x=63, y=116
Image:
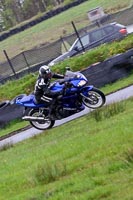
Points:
x=81, y=83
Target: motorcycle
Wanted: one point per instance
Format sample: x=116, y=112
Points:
x=76, y=96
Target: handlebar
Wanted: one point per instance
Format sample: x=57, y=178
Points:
x=61, y=82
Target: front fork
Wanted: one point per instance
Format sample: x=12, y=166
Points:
x=84, y=91
x=86, y=97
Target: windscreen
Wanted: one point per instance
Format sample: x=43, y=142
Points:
x=70, y=74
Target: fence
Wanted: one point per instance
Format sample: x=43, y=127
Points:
x=30, y=61
x=44, y=17
x=100, y=74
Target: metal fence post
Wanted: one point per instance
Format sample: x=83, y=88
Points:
x=9, y=61
x=64, y=43
x=25, y=59
x=78, y=36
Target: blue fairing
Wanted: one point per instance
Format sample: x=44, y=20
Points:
x=28, y=101
x=85, y=90
x=58, y=87
x=78, y=82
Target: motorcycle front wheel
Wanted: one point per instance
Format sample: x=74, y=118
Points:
x=93, y=98
x=41, y=125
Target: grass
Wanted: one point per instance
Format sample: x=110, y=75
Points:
x=88, y=158
x=51, y=29
x=110, y=111
x=14, y=88
x=13, y=126
x=83, y=159
x=98, y=54
x=124, y=82
x=26, y=84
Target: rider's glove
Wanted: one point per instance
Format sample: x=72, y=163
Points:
x=68, y=84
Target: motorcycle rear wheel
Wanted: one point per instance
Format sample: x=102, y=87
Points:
x=94, y=99
x=43, y=125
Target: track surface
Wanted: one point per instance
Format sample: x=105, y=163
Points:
x=28, y=132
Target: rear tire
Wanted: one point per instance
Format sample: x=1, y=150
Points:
x=47, y=124
x=94, y=98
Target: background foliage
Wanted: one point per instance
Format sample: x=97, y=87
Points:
x=17, y=11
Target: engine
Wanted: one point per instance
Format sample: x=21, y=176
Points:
x=62, y=112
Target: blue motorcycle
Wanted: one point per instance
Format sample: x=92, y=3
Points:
x=77, y=95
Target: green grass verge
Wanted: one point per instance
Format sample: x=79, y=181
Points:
x=124, y=82
x=98, y=54
x=83, y=159
x=13, y=126
x=51, y=29
x=26, y=84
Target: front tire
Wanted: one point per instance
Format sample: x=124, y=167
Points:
x=43, y=125
x=93, y=98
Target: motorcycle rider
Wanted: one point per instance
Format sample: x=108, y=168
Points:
x=42, y=90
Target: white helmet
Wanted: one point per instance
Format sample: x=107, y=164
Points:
x=45, y=71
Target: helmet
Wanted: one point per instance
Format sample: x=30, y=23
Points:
x=45, y=71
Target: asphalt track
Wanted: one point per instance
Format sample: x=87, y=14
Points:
x=114, y=97
x=111, y=98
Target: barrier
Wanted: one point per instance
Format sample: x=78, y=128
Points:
x=46, y=16
x=109, y=71
x=10, y=113
x=99, y=74
x=4, y=104
x=127, y=19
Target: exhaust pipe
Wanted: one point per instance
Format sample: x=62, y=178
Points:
x=30, y=118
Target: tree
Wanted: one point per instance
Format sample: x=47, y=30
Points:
x=11, y=12
x=33, y=7
x=15, y=11
x=6, y=13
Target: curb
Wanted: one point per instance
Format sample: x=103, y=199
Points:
x=15, y=132
x=29, y=126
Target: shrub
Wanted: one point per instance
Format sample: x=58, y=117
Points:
x=108, y=111
x=6, y=147
x=49, y=172
x=129, y=156
x=98, y=54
